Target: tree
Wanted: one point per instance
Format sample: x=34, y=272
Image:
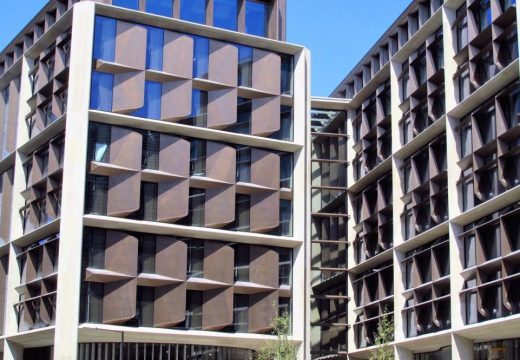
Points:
x=282, y=348
x=384, y=336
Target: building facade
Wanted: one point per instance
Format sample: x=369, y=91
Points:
x=168, y=186
x=152, y=180
x=430, y=118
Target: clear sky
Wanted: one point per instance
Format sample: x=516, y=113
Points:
x=338, y=32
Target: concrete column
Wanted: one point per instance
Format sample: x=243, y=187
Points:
x=73, y=190
x=461, y=348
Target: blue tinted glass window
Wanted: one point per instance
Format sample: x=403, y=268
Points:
x=154, y=48
x=101, y=91
x=160, y=7
x=200, y=57
x=129, y=4
x=245, y=66
x=256, y=17
x=225, y=14
x=193, y=10
x=152, y=101
x=105, y=39
x=199, y=104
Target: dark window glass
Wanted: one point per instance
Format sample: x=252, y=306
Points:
x=242, y=262
x=462, y=28
x=256, y=17
x=96, y=292
x=105, y=39
x=151, y=148
x=200, y=57
x=145, y=305
x=471, y=308
x=148, y=208
x=243, y=124
x=225, y=14
x=95, y=245
x=96, y=194
x=284, y=306
x=484, y=15
x=245, y=66
x=419, y=66
x=242, y=208
x=195, y=258
x=194, y=309
x=244, y=164
x=285, y=266
x=286, y=218
x=154, y=48
x=286, y=124
x=198, y=157
x=405, y=77
x=199, y=108
x=129, y=4
x=241, y=313
x=152, y=101
x=146, y=258
x=286, y=170
x=469, y=251
x=193, y=10
x=160, y=7
x=287, y=75
x=101, y=91
x=196, y=207
x=99, y=139
x=463, y=82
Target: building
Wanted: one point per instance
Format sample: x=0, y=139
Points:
x=152, y=196
x=429, y=175
x=168, y=185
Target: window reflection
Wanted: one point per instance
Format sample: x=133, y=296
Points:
x=256, y=17
x=104, y=38
x=225, y=14
x=160, y=7
x=194, y=10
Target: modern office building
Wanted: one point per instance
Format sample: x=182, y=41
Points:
x=168, y=186
x=429, y=125
x=152, y=180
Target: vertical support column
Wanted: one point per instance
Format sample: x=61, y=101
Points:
x=461, y=348
x=351, y=233
x=301, y=208
x=11, y=350
x=71, y=229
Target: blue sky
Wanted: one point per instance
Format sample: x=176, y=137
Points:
x=338, y=32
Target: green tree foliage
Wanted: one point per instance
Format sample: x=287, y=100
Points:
x=282, y=348
x=384, y=336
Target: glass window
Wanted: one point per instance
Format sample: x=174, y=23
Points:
x=195, y=258
x=243, y=163
x=199, y=109
x=287, y=75
x=146, y=257
x=193, y=10
x=484, y=14
x=286, y=170
x=160, y=7
x=196, y=206
x=152, y=101
x=241, y=313
x=200, y=57
x=256, y=17
x=286, y=124
x=243, y=124
x=5, y=119
x=101, y=91
x=129, y=4
x=242, y=262
x=95, y=246
x=96, y=194
x=464, y=85
x=154, y=48
x=151, y=148
x=405, y=77
x=242, y=208
x=198, y=157
x=286, y=218
x=245, y=66
x=148, y=208
x=99, y=142
x=469, y=251
x=225, y=14
x=194, y=309
x=105, y=39
x=471, y=308
x=96, y=292
x=462, y=29
x=285, y=266
x=145, y=305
